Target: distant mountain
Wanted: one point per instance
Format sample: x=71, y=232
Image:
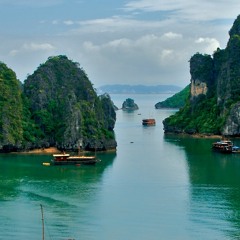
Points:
x=121, y=88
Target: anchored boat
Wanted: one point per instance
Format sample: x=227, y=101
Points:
x=224, y=146
x=66, y=159
x=149, y=122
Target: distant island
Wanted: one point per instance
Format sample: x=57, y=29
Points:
x=129, y=105
x=138, y=89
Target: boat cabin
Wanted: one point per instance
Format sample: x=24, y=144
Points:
x=148, y=122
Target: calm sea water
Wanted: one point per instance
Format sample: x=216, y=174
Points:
x=154, y=187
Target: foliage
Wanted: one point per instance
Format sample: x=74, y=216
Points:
x=235, y=30
x=11, y=131
x=64, y=106
x=210, y=112
x=204, y=119
x=201, y=67
x=56, y=106
x=178, y=100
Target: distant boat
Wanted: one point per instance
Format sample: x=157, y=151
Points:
x=224, y=146
x=66, y=159
x=149, y=122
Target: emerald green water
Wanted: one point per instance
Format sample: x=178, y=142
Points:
x=154, y=187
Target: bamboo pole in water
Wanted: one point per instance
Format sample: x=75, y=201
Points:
x=42, y=222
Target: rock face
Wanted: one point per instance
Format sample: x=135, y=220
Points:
x=56, y=106
x=214, y=104
x=129, y=105
x=11, y=110
x=232, y=125
x=201, y=70
x=66, y=110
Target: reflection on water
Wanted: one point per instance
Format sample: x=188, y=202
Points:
x=67, y=194
x=156, y=187
x=215, y=187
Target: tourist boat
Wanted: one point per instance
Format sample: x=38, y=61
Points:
x=66, y=159
x=224, y=146
x=149, y=122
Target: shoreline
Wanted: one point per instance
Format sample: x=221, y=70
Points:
x=54, y=150
x=199, y=135
x=50, y=150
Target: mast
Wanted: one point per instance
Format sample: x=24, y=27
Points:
x=42, y=222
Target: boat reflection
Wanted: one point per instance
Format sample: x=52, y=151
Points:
x=214, y=191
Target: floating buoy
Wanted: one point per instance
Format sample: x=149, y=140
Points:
x=46, y=164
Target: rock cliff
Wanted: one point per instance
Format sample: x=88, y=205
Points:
x=65, y=108
x=214, y=104
x=129, y=105
x=11, y=109
x=56, y=106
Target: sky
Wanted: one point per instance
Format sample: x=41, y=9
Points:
x=132, y=42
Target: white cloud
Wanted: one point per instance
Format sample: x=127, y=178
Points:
x=37, y=47
x=55, y=22
x=68, y=22
x=209, y=44
x=32, y=47
x=146, y=59
x=117, y=24
x=190, y=10
x=154, y=5
x=171, y=35
x=149, y=41
x=166, y=54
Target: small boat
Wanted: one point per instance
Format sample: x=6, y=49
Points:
x=66, y=159
x=235, y=149
x=224, y=146
x=149, y=122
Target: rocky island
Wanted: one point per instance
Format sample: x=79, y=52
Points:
x=129, y=105
x=56, y=106
x=213, y=106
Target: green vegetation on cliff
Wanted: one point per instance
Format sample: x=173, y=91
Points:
x=213, y=105
x=65, y=108
x=204, y=118
x=11, y=109
x=178, y=100
x=129, y=105
x=56, y=106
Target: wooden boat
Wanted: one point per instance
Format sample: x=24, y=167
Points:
x=66, y=159
x=224, y=146
x=149, y=122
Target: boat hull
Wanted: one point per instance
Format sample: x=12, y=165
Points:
x=68, y=162
x=66, y=159
x=223, y=150
x=149, y=122
x=224, y=146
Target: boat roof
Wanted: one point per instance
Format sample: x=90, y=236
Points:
x=149, y=119
x=61, y=155
x=221, y=143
